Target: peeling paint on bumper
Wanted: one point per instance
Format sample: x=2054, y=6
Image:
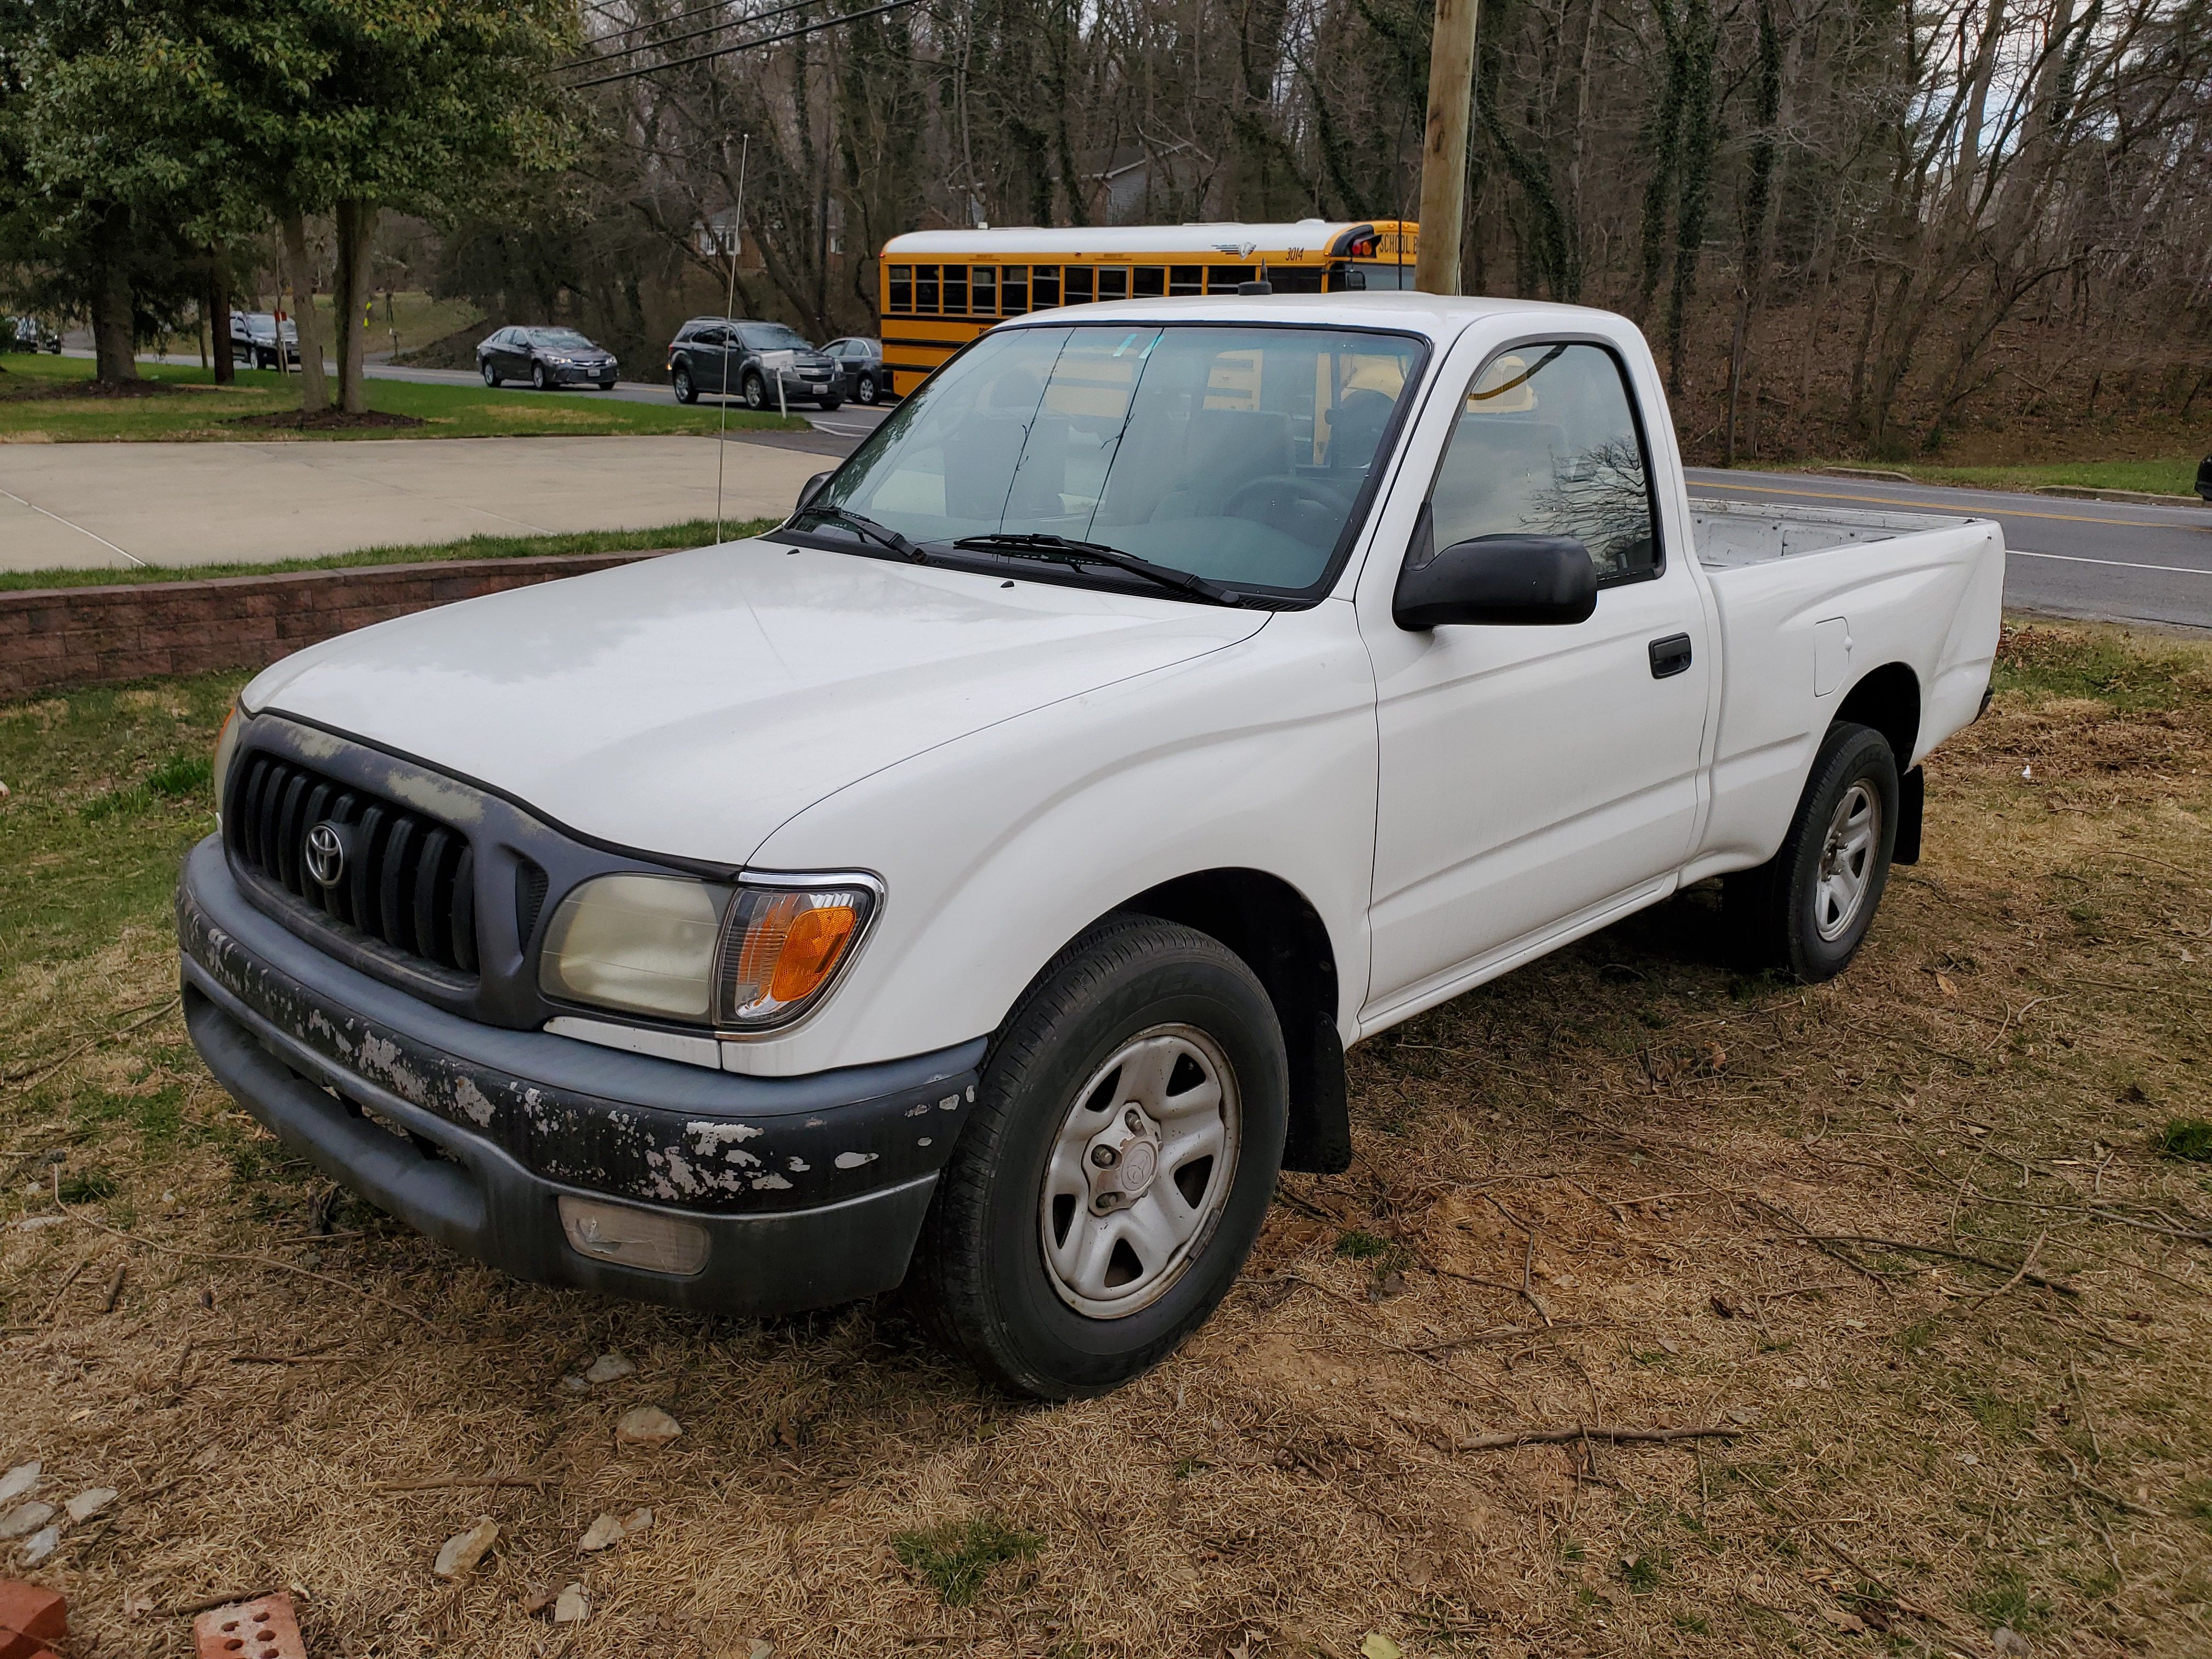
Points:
x=813, y=1188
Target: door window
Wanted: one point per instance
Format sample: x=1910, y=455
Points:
x=1547, y=443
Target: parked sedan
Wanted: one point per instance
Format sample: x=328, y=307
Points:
x=29, y=334
x=718, y=356
x=546, y=357
x=2204, y=478
x=254, y=336
x=861, y=367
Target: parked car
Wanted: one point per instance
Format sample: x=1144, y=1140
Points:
x=718, y=356
x=978, y=878
x=253, y=339
x=31, y=334
x=2204, y=474
x=546, y=357
x=860, y=366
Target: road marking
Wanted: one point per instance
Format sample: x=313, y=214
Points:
x=1932, y=507
x=2117, y=564
x=79, y=528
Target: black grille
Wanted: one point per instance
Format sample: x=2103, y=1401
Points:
x=408, y=880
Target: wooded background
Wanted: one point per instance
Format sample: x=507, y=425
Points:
x=1888, y=228
x=1843, y=223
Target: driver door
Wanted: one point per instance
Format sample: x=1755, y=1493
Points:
x=1535, y=779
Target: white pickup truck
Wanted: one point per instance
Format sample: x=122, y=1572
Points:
x=976, y=881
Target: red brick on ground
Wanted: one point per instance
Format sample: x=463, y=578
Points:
x=32, y=1611
x=14, y=1645
x=263, y=1629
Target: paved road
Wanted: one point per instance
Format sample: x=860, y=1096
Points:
x=2112, y=560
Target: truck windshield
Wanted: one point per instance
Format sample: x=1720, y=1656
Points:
x=1236, y=453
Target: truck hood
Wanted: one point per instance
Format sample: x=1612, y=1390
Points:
x=688, y=704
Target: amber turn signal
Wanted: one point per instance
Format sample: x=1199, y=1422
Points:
x=784, y=946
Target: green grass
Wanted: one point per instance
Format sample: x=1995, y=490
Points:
x=2189, y=1139
x=200, y=410
x=2132, y=677
x=106, y=790
x=956, y=1558
x=697, y=532
x=2164, y=475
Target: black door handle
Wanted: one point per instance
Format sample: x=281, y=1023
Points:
x=1670, y=655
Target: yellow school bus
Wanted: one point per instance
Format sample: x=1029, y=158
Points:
x=943, y=288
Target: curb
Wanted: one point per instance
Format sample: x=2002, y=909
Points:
x=2141, y=497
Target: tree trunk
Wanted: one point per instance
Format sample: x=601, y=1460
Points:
x=1751, y=284
x=114, y=359
x=350, y=300
x=315, y=388
x=218, y=304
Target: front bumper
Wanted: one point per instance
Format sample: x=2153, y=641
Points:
x=810, y=1190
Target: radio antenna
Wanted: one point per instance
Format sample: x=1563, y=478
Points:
x=737, y=234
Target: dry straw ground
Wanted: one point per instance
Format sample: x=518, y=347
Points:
x=1584, y=1194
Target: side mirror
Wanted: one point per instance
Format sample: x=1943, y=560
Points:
x=1539, y=580
x=811, y=487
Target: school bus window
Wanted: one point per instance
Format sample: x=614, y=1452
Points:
x=1151, y=282
x=1112, y=282
x=1014, y=290
x=1044, y=287
x=1075, y=285
x=983, y=290
x=1222, y=279
x=924, y=288
x=902, y=286
x=956, y=290
x=1187, y=279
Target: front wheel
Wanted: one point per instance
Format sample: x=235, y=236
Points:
x=754, y=390
x=1123, y=1150
x=491, y=375
x=685, y=392
x=537, y=377
x=1806, y=911
x=831, y=405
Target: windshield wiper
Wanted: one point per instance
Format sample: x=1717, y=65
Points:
x=882, y=535
x=1063, y=549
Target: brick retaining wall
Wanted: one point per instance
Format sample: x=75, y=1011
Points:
x=56, y=637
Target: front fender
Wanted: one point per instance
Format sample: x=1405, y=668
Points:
x=1000, y=847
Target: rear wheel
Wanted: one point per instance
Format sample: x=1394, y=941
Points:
x=1806, y=911
x=1122, y=1154
x=865, y=391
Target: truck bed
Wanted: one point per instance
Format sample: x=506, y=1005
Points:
x=1905, y=602
x=1733, y=533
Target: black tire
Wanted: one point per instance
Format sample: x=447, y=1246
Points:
x=831, y=405
x=537, y=377
x=754, y=390
x=981, y=1282
x=685, y=392
x=1780, y=917
x=864, y=392
x=491, y=375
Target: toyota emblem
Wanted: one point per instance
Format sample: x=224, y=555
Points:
x=325, y=853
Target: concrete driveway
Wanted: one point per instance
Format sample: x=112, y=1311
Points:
x=120, y=505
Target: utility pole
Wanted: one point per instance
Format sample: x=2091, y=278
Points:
x=1443, y=147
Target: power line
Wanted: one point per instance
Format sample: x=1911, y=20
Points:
x=743, y=45
x=590, y=58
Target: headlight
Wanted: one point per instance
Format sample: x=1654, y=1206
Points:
x=643, y=943
x=226, y=745
x=746, y=959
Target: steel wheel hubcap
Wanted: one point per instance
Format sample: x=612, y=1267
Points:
x=1139, y=1171
x=1846, y=862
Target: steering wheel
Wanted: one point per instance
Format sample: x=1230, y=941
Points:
x=1277, y=497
